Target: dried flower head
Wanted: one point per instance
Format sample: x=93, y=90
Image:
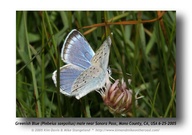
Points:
x=117, y=97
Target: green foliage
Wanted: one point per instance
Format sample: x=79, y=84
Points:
x=142, y=52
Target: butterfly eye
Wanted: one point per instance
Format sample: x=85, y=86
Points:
x=109, y=70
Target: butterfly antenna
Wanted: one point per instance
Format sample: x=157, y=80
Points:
x=111, y=78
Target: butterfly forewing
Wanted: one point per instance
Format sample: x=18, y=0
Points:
x=76, y=50
x=101, y=56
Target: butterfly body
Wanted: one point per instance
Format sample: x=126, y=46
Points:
x=85, y=71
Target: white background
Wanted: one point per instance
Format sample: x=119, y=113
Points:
x=8, y=53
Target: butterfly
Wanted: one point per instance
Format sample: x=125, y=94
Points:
x=85, y=70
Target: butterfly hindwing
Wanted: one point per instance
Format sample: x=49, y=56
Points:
x=68, y=74
x=89, y=80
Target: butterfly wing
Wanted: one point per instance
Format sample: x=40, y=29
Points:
x=88, y=81
x=96, y=75
x=76, y=50
x=101, y=57
x=68, y=74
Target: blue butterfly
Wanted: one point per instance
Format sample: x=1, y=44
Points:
x=85, y=70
